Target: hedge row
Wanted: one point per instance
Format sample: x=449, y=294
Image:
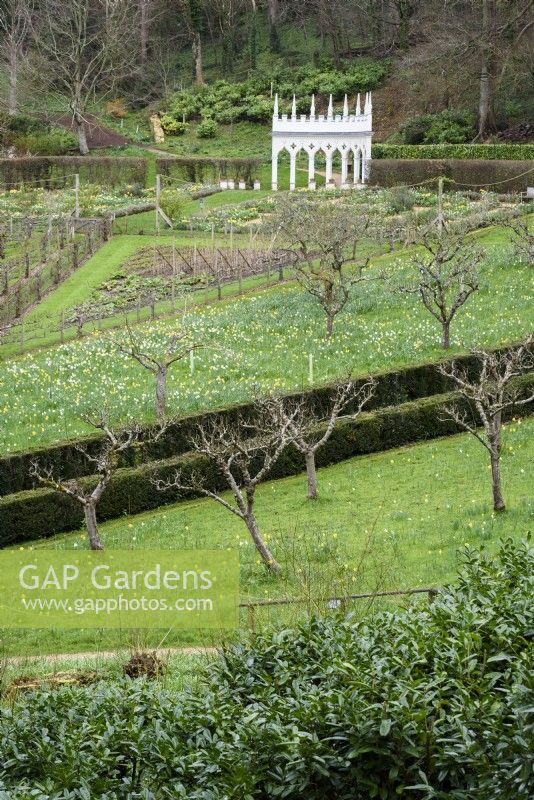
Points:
x=501, y=176
x=504, y=152
x=42, y=512
x=52, y=171
x=202, y=169
x=393, y=387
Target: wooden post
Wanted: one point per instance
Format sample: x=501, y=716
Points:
x=77, y=196
x=173, y=286
x=158, y=194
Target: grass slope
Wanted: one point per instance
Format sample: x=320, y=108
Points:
x=263, y=340
x=386, y=521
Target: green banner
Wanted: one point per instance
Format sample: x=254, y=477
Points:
x=119, y=589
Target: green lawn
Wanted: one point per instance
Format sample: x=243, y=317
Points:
x=261, y=339
x=390, y=520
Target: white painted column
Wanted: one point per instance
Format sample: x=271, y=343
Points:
x=344, y=169
x=364, y=166
x=274, y=176
x=311, y=170
x=328, y=176
x=292, y=170
x=356, y=177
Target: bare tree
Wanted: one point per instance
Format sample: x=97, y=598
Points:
x=324, y=237
x=306, y=426
x=492, y=392
x=244, y=452
x=84, y=47
x=522, y=238
x=178, y=347
x=106, y=461
x=15, y=17
x=447, y=275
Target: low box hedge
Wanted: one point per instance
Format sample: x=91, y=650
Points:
x=41, y=512
x=499, y=152
x=502, y=176
x=394, y=387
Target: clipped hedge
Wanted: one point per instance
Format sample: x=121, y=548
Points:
x=52, y=171
x=41, y=512
x=499, y=152
x=502, y=176
x=393, y=387
x=201, y=169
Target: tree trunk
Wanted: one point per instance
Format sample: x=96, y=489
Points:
x=312, y=475
x=197, y=58
x=143, y=30
x=446, y=336
x=92, y=527
x=261, y=547
x=13, y=68
x=80, y=132
x=161, y=392
x=498, y=501
x=329, y=324
x=486, y=117
x=274, y=35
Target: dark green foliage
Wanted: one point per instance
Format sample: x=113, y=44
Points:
x=502, y=176
x=207, y=129
x=427, y=703
x=393, y=387
x=251, y=100
x=41, y=512
x=498, y=152
x=454, y=127
x=52, y=171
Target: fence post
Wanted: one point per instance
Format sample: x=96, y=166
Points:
x=251, y=617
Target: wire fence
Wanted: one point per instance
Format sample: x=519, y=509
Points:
x=254, y=608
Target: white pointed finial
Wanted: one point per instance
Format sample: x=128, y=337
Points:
x=294, y=108
x=275, y=111
x=345, y=108
x=312, y=107
x=330, y=113
x=370, y=102
x=366, y=106
x=358, y=107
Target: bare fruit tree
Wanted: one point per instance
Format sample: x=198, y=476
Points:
x=178, y=347
x=492, y=392
x=105, y=461
x=325, y=238
x=522, y=239
x=244, y=452
x=307, y=427
x=446, y=268
x=83, y=47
